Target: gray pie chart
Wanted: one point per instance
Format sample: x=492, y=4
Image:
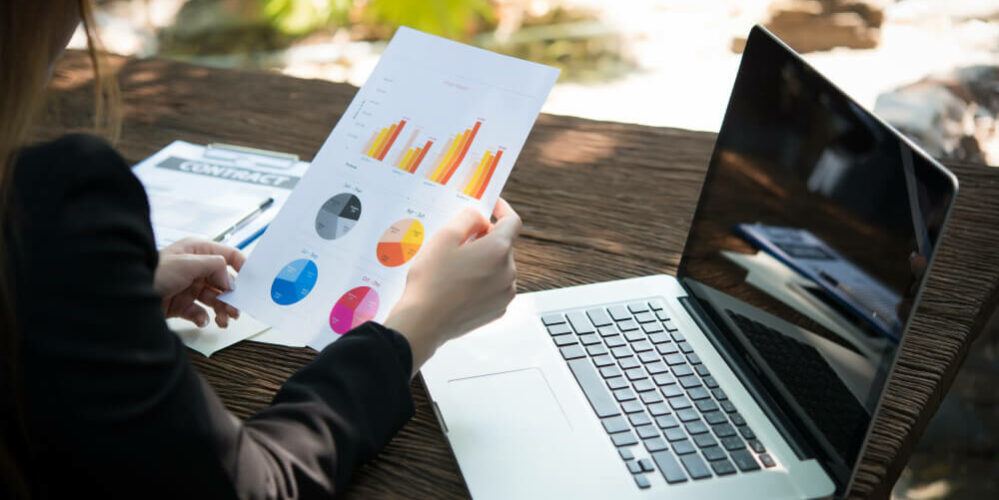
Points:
x=338, y=215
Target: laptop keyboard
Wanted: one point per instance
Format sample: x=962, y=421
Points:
x=658, y=403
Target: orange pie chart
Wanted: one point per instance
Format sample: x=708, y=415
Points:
x=400, y=242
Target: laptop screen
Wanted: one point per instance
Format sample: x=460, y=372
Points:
x=811, y=238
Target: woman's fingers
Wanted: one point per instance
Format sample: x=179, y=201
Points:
x=508, y=222
x=232, y=256
x=195, y=314
x=469, y=222
x=223, y=311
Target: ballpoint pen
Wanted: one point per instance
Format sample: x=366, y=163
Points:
x=245, y=220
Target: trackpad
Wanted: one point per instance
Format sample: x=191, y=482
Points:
x=503, y=406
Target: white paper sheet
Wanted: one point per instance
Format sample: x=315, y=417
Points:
x=211, y=338
x=434, y=120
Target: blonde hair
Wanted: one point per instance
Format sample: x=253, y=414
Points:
x=25, y=58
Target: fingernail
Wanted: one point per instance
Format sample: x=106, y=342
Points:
x=232, y=283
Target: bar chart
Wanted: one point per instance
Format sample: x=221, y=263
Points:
x=410, y=158
x=453, y=154
x=478, y=179
x=381, y=140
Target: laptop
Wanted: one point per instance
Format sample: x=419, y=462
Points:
x=744, y=375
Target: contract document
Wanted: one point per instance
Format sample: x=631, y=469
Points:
x=437, y=127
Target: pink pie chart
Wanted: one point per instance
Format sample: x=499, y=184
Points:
x=354, y=308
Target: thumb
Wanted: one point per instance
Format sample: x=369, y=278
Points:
x=213, y=268
x=467, y=223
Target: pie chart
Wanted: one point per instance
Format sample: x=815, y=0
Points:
x=294, y=282
x=353, y=308
x=338, y=215
x=400, y=242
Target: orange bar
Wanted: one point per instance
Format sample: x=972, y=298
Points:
x=442, y=166
x=489, y=175
x=419, y=159
x=480, y=172
x=378, y=142
x=384, y=140
x=371, y=142
x=392, y=136
x=464, y=150
x=406, y=159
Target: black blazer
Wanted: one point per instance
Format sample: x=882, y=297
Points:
x=110, y=403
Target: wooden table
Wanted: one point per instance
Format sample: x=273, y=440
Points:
x=600, y=201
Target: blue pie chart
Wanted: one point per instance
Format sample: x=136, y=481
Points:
x=294, y=282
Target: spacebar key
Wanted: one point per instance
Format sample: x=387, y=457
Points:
x=594, y=388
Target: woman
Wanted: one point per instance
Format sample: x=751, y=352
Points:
x=97, y=395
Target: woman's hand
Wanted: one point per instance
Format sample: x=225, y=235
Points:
x=456, y=285
x=193, y=270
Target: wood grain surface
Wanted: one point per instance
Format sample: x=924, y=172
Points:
x=600, y=201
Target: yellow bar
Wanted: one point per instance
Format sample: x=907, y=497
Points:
x=457, y=152
x=441, y=167
x=444, y=150
x=371, y=142
x=406, y=159
x=385, y=142
x=378, y=142
x=480, y=173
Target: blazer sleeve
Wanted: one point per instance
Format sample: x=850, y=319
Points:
x=111, y=398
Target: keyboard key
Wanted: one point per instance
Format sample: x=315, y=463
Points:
x=652, y=328
x=671, y=390
x=641, y=346
x=689, y=381
x=674, y=434
x=667, y=421
x=552, y=319
x=627, y=325
x=685, y=347
x=696, y=427
x=656, y=368
x=607, y=331
x=643, y=385
x=572, y=352
x=723, y=467
x=687, y=415
x=615, y=424
x=624, y=394
x=619, y=312
x=596, y=350
x=746, y=432
x=656, y=304
x=693, y=359
x=645, y=317
x=564, y=340
x=767, y=460
x=727, y=406
x=674, y=359
x=737, y=419
x=621, y=351
x=682, y=370
x=663, y=379
x=647, y=431
x=648, y=357
x=719, y=394
x=677, y=336
x=611, y=371
x=634, y=336
x=658, y=338
x=624, y=438
x=647, y=464
x=756, y=445
x=659, y=409
x=710, y=382
x=626, y=453
x=669, y=348
x=562, y=329
x=679, y=403
x=707, y=405
x=615, y=341
x=744, y=461
x=594, y=389
x=669, y=467
x=579, y=323
x=633, y=466
x=629, y=363
x=590, y=339
x=602, y=361
x=713, y=453
x=705, y=441
x=637, y=307
x=639, y=419
x=650, y=397
x=662, y=315
x=724, y=430
x=599, y=317
x=733, y=443
x=695, y=466
x=714, y=417
x=632, y=406
x=617, y=383
x=699, y=394
x=701, y=370
x=683, y=447
x=642, y=481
